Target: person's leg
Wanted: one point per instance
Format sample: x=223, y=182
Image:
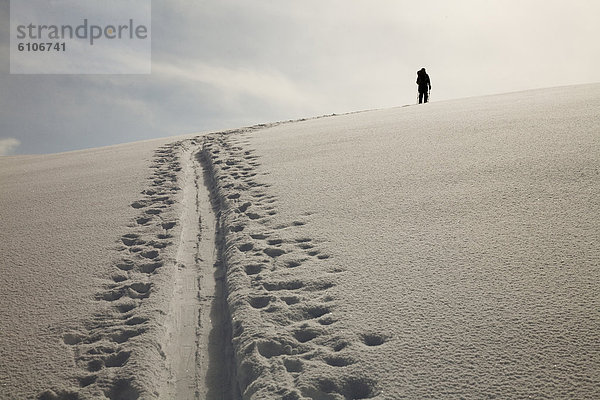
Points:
x=426, y=95
x=420, y=97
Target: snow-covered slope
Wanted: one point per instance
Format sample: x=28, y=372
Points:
x=70, y=315
x=447, y=250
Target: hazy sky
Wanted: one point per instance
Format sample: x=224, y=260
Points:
x=219, y=64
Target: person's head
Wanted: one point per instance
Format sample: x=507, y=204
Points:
x=422, y=70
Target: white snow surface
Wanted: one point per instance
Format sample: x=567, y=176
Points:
x=63, y=217
x=462, y=242
x=446, y=250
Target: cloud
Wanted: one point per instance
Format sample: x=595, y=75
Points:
x=7, y=146
x=221, y=64
x=269, y=85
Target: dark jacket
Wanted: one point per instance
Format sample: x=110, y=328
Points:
x=423, y=81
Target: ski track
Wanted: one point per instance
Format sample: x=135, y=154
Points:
x=269, y=293
x=182, y=320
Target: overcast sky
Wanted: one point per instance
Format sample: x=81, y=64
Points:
x=219, y=64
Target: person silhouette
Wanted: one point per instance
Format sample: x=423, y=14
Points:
x=424, y=85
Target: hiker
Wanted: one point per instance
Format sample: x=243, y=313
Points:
x=424, y=85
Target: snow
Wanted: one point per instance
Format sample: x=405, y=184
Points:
x=446, y=250
x=467, y=233
x=64, y=217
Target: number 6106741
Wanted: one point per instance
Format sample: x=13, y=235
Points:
x=58, y=46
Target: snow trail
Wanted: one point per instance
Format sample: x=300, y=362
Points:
x=198, y=326
x=182, y=323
